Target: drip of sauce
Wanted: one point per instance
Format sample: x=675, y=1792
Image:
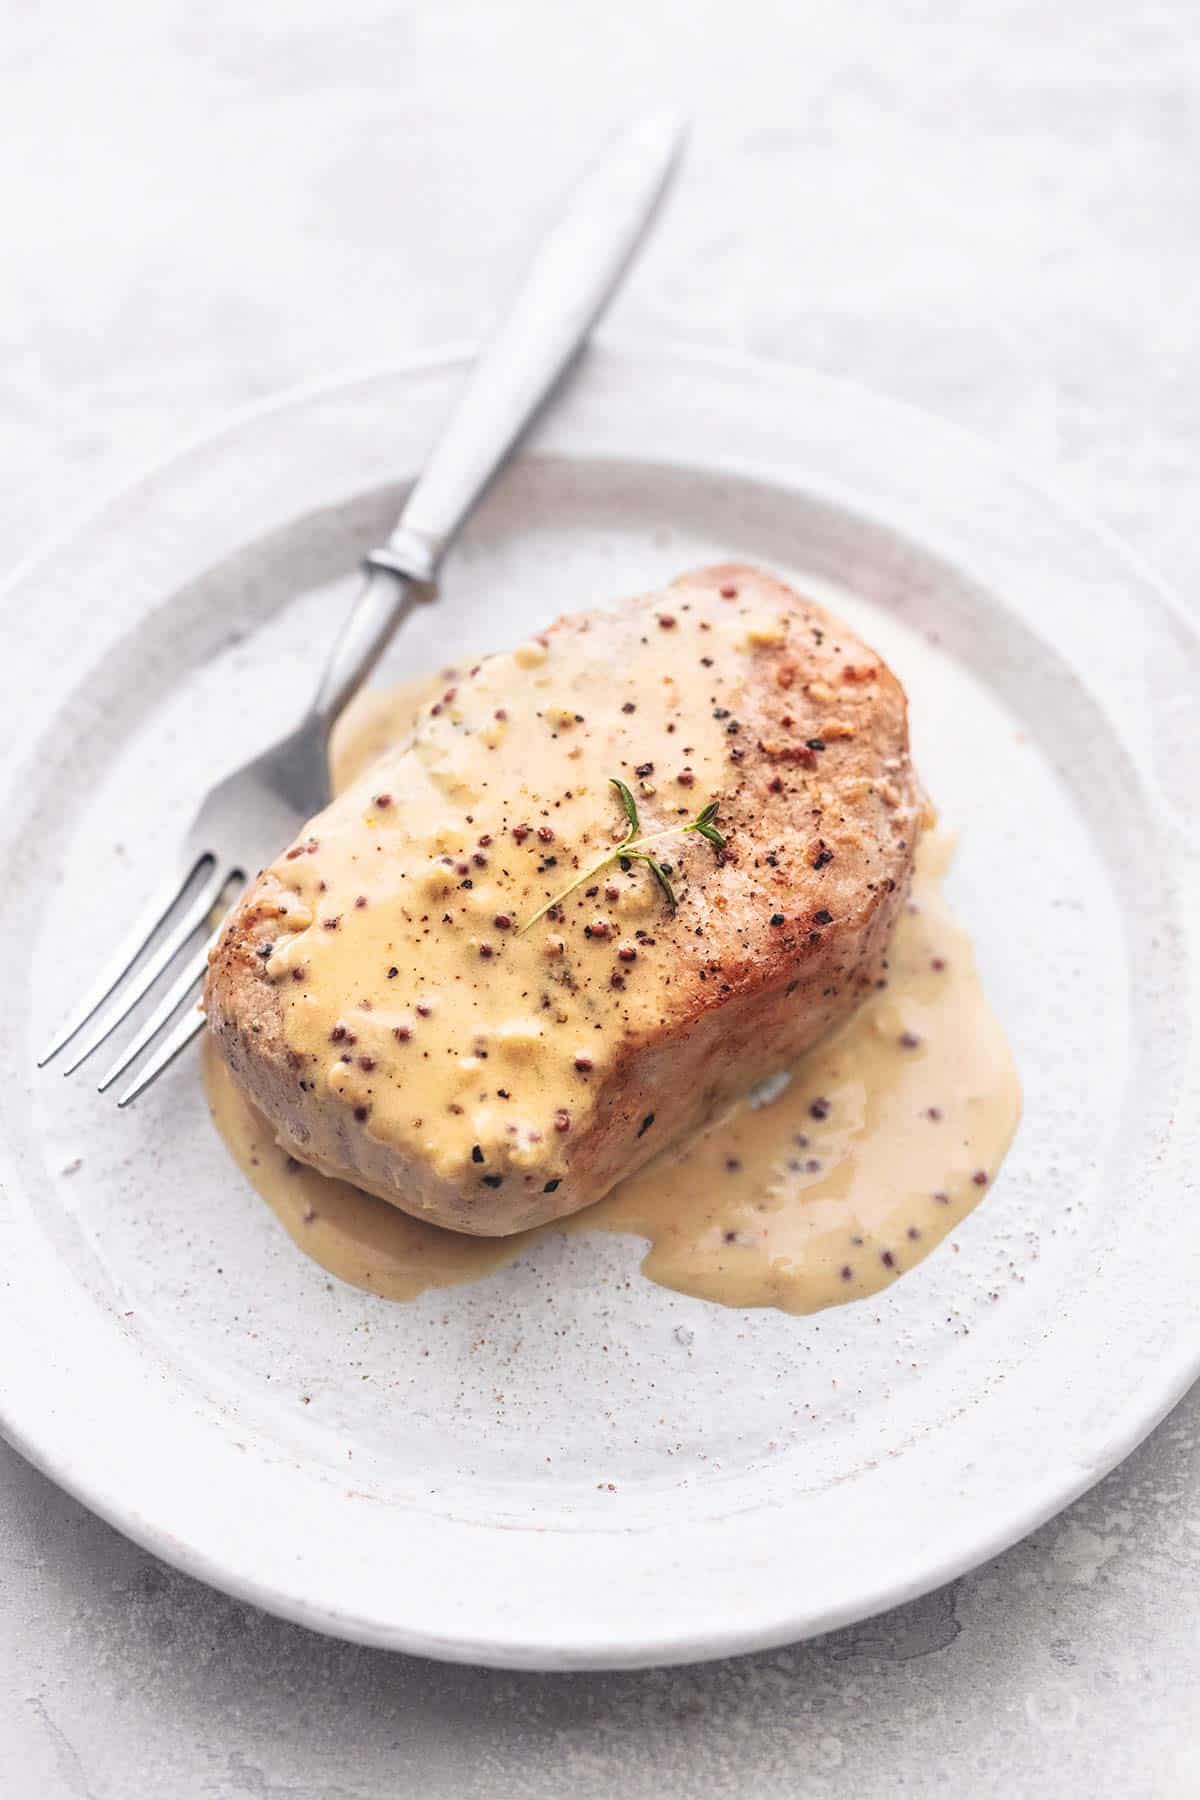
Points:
x=885, y=1137
x=360, y=1239
x=376, y=721
x=882, y=1140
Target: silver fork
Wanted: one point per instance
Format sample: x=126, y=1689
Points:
x=248, y=818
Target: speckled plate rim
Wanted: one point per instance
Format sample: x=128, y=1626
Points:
x=40, y=1415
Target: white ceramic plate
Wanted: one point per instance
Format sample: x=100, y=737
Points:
x=446, y=1489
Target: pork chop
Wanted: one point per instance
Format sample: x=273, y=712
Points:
x=391, y=995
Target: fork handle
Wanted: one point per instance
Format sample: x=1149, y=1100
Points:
x=574, y=272
x=386, y=599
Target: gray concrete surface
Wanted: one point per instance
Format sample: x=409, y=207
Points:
x=988, y=209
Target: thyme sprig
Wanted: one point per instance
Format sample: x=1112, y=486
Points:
x=634, y=847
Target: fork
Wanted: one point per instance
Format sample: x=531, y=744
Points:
x=247, y=818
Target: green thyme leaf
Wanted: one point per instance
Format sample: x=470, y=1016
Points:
x=705, y=824
x=627, y=801
x=660, y=875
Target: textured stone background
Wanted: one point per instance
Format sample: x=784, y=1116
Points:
x=988, y=207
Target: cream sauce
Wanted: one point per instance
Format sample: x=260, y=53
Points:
x=407, y=985
x=884, y=1138
x=360, y=1239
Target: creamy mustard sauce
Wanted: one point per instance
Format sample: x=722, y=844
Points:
x=360, y=1239
x=408, y=986
x=883, y=1139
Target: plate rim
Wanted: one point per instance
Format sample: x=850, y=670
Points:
x=1155, y=1396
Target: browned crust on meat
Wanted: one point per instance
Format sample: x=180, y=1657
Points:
x=772, y=950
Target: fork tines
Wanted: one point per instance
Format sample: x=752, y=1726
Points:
x=164, y=930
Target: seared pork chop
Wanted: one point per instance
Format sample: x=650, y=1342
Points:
x=388, y=998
